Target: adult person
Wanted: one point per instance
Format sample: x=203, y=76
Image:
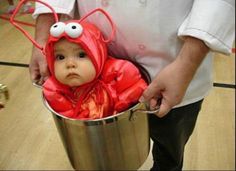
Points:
x=174, y=41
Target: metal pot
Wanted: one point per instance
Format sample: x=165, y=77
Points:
x=119, y=142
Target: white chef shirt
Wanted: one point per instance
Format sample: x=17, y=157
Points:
x=151, y=32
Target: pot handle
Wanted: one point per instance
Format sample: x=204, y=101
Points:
x=36, y=84
x=147, y=111
x=154, y=111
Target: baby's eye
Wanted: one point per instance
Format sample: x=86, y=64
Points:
x=82, y=54
x=60, y=57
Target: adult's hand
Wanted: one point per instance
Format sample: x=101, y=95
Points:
x=38, y=66
x=170, y=85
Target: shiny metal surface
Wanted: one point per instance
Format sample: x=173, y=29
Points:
x=4, y=95
x=119, y=142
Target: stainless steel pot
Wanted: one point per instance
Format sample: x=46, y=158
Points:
x=119, y=142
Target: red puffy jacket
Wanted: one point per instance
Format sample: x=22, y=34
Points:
x=118, y=88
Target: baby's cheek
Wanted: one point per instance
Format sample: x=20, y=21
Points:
x=59, y=74
x=57, y=68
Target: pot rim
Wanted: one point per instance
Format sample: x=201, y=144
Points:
x=104, y=120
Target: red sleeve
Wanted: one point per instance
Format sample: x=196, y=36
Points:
x=130, y=96
x=124, y=82
x=57, y=101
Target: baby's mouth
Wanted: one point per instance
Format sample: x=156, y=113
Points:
x=72, y=75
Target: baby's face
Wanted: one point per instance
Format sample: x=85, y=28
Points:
x=72, y=66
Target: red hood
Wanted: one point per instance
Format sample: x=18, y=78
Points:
x=90, y=40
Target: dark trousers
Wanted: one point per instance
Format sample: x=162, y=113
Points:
x=170, y=134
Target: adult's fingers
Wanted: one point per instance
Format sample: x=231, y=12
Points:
x=38, y=67
x=153, y=104
x=34, y=71
x=165, y=107
x=43, y=69
x=153, y=91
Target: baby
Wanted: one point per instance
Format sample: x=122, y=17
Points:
x=85, y=82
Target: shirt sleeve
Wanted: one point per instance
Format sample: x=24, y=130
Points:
x=60, y=6
x=212, y=21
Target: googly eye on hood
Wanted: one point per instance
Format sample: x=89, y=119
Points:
x=87, y=35
x=73, y=29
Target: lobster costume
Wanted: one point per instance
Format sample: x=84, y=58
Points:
x=117, y=85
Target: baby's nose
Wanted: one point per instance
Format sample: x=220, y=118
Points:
x=71, y=62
